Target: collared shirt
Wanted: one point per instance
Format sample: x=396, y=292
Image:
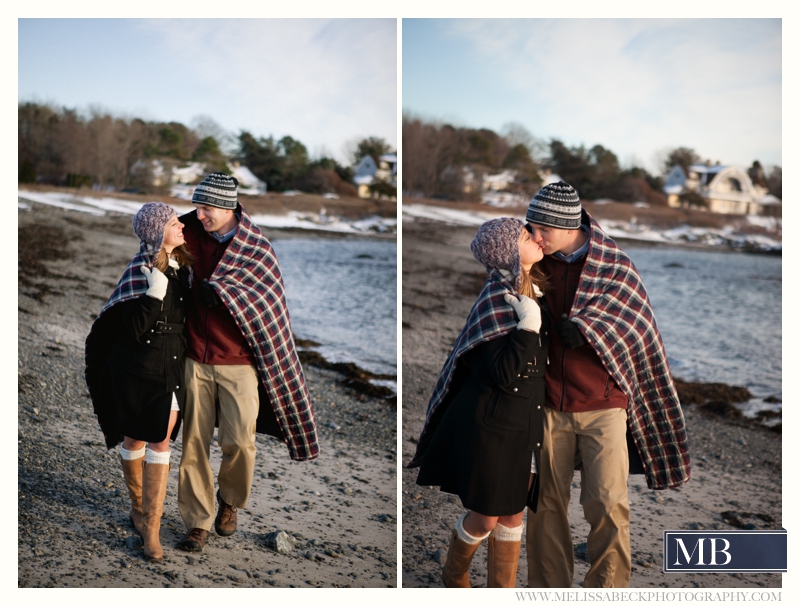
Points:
x=224, y=237
x=574, y=256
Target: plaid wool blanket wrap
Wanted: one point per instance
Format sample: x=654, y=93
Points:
x=133, y=282
x=614, y=314
x=248, y=280
x=490, y=317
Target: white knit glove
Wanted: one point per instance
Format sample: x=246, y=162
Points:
x=157, y=282
x=528, y=312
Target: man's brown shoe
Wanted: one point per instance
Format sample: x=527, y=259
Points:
x=225, y=523
x=194, y=541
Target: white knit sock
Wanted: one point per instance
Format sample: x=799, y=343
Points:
x=131, y=455
x=157, y=458
x=464, y=535
x=504, y=533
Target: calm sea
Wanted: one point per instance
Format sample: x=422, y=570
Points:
x=719, y=314
x=342, y=293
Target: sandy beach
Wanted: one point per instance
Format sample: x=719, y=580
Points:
x=736, y=473
x=339, y=511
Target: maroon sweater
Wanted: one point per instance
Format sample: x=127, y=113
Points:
x=576, y=379
x=214, y=337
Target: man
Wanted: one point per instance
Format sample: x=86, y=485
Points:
x=242, y=371
x=611, y=403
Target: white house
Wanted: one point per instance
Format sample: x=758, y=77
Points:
x=249, y=184
x=726, y=189
x=367, y=173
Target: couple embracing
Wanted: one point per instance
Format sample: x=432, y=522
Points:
x=197, y=331
x=560, y=366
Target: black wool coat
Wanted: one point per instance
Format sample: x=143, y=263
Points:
x=135, y=357
x=482, y=446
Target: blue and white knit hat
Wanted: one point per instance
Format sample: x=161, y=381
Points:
x=556, y=205
x=217, y=189
x=496, y=245
x=149, y=223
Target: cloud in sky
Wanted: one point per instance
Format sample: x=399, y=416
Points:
x=323, y=81
x=634, y=86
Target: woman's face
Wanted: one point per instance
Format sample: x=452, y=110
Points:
x=173, y=234
x=529, y=251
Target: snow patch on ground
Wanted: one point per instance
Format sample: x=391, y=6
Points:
x=617, y=229
x=292, y=220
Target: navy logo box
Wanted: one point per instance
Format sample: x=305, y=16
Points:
x=725, y=550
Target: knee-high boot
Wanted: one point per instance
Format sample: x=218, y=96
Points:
x=502, y=562
x=459, y=556
x=133, y=479
x=153, y=494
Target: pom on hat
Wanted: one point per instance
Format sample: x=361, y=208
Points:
x=149, y=223
x=217, y=189
x=496, y=245
x=556, y=205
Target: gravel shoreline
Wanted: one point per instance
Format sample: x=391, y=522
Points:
x=736, y=464
x=339, y=511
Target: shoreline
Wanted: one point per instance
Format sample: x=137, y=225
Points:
x=734, y=233
x=440, y=279
x=338, y=511
x=352, y=211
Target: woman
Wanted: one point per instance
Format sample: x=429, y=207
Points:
x=135, y=363
x=484, y=426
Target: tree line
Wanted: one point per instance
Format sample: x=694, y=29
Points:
x=448, y=162
x=60, y=146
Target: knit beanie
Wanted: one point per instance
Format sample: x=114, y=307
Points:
x=556, y=205
x=496, y=245
x=217, y=189
x=149, y=223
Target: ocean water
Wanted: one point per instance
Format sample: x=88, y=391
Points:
x=719, y=315
x=342, y=293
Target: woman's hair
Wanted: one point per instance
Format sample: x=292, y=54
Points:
x=527, y=280
x=181, y=254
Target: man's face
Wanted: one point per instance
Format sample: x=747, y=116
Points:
x=213, y=218
x=550, y=239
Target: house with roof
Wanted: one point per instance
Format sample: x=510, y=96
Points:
x=368, y=174
x=725, y=189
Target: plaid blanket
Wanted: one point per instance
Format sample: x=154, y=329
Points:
x=614, y=314
x=248, y=280
x=490, y=317
x=133, y=282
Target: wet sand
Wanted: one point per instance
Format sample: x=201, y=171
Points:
x=736, y=465
x=74, y=531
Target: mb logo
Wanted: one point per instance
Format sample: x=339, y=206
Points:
x=725, y=551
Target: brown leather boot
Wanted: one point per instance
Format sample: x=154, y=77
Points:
x=227, y=519
x=503, y=559
x=133, y=478
x=153, y=494
x=456, y=568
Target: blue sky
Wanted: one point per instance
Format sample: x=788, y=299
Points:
x=326, y=82
x=636, y=86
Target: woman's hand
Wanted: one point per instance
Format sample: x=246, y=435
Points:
x=157, y=282
x=528, y=312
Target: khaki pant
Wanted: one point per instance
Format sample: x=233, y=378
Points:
x=599, y=437
x=236, y=389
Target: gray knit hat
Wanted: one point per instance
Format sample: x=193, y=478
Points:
x=556, y=205
x=149, y=223
x=496, y=245
x=217, y=189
